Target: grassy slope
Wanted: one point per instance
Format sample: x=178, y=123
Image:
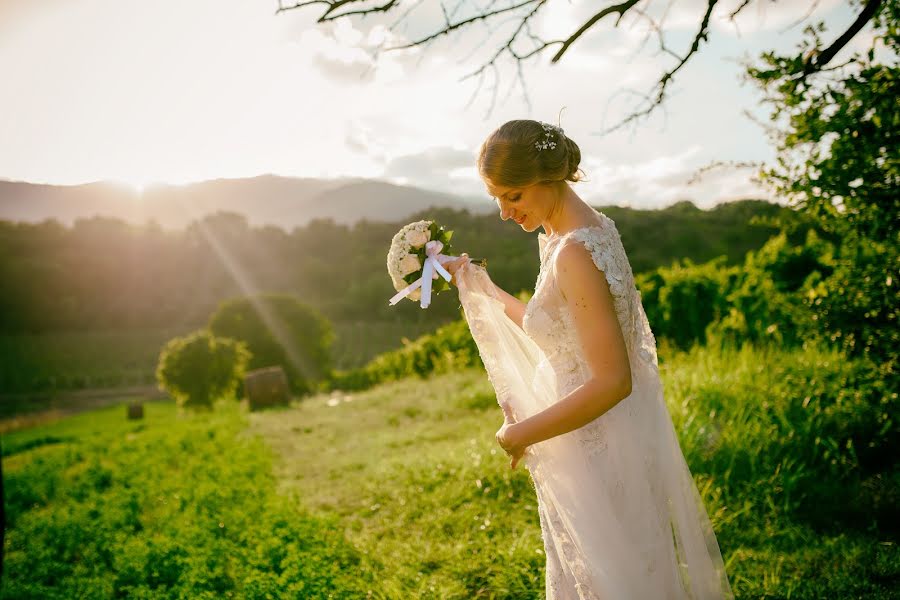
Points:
x=413, y=472
x=400, y=490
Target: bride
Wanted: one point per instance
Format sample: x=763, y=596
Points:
x=576, y=375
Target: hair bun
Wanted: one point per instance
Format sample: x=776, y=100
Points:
x=524, y=152
x=573, y=159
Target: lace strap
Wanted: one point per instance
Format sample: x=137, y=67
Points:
x=608, y=255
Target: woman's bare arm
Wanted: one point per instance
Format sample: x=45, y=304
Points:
x=515, y=308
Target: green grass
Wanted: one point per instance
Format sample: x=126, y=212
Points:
x=401, y=491
x=413, y=471
x=175, y=506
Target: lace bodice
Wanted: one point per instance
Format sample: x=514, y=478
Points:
x=548, y=320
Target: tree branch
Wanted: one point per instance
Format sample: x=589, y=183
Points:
x=334, y=9
x=816, y=60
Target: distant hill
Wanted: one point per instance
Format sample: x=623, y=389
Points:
x=287, y=202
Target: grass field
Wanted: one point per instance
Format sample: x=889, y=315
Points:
x=36, y=365
x=400, y=492
x=79, y=359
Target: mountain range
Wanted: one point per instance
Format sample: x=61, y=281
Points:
x=286, y=202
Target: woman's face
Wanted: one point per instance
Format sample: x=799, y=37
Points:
x=527, y=206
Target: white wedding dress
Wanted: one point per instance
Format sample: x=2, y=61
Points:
x=620, y=514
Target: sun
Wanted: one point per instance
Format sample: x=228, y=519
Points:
x=136, y=184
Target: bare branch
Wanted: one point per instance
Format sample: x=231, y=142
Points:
x=616, y=8
x=333, y=5
x=463, y=23
x=718, y=164
x=736, y=11
x=523, y=44
x=815, y=61
x=812, y=9
x=668, y=75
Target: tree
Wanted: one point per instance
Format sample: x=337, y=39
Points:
x=523, y=43
x=279, y=330
x=838, y=161
x=200, y=368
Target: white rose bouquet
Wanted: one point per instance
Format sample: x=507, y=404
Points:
x=417, y=254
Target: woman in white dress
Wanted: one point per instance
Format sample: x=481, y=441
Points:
x=576, y=375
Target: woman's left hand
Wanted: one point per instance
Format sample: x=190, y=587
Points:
x=506, y=437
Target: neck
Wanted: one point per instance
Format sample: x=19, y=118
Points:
x=564, y=212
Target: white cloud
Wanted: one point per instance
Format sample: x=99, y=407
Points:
x=663, y=180
x=221, y=88
x=756, y=17
x=437, y=168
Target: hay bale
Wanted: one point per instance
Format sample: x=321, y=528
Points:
x=266, y=387
x=135, y=410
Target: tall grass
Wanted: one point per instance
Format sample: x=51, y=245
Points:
x=400, y=491
x=411, y=467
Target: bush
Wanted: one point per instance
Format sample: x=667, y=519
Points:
x=682, y=300
x=449, y=348
x=768, y=302
x=279, y=330
x=199, y=368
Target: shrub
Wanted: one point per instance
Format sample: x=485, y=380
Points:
x=448, y=348
x=279, y=330
x=681, y=301
x=199, y=368
x=767, y=302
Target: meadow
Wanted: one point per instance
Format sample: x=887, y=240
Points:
x=400, y=491
x=38, y=364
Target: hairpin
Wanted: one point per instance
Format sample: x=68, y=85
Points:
x=547, y=143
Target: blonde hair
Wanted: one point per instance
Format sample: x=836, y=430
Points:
x=508, y=156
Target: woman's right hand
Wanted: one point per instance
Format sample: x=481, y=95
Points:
x=454, y=265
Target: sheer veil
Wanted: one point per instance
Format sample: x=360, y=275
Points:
x=632, y=525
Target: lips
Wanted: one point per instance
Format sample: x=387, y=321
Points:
x=520, y=221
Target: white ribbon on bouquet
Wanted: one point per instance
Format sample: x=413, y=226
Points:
x=433, y=262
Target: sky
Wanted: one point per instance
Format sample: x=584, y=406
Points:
x=173, y=91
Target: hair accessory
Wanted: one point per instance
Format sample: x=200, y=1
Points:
x=547, y=143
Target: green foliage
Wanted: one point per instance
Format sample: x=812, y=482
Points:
x=168, y=508
x=814, y=428
x=682, y=300
x=768, y=300
x=83, y=277
x=838, y=161
x=448, y=348
x=200, y=368
x=77, y=314
x=74, y=360
x=279, y=330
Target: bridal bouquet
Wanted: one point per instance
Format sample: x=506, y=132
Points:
x=416, y=258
